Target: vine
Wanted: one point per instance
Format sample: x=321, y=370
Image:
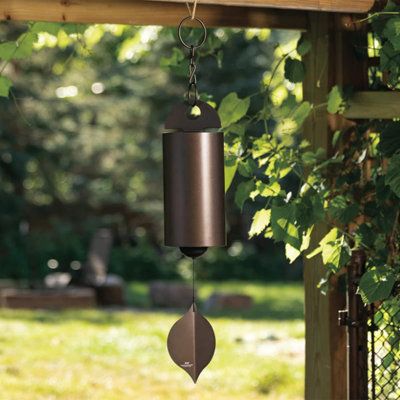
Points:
x=355, y=193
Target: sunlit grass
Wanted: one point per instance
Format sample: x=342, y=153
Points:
x=79, y=355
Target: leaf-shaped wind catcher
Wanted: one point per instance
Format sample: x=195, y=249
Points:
x=191, y=343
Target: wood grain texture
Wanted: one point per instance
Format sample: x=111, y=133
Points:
x=318, y=383
x=352, y=6
x=142, y=12
x=325, y=340
x=333, y=61
x=374, y=105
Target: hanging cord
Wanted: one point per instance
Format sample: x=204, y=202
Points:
x=193, y=283
x=192, y=12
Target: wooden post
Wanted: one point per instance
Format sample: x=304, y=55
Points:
x=320, y=331
x=332, y=61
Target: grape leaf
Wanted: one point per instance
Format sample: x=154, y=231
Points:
x=303, y=46
x=335, y=101
x=392, y=177
x=389, y=141
x=261, y=220
x=295, y=70
x=230, y=171
x=243, y=192
x=283, y=227
x=232, y=109
x=376, y=284
x=5, y=85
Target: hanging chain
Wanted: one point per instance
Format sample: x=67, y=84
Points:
x=192, y=93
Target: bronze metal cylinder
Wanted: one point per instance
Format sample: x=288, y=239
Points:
x=194, y=195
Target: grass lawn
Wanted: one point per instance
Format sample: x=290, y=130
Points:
x=118, y=355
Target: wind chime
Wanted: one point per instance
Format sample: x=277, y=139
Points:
x=194, y=203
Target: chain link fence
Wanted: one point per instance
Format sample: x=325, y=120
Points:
x=384, y=351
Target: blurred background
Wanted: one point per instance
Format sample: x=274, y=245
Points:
x=81, y=208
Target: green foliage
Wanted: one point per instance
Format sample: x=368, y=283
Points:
x=294, y=70
x=21, y=48
x=336, y=101
x=376, y=284
x=303, y=46
x=231, y=165
x=261, y=220
x=5, y=84
x=243, y=192
x=392, y=177
x=386, y=26
x=232, y=109
x=354, y=193
x=389, y=142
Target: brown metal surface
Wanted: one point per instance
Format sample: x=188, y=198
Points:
x=191, y=343
x=357, y=332
x=194, y=193
x=178, y=118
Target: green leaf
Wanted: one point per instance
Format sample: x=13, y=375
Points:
x=336, y=137
x=261, y=220
x=5, y=85
x=71, y=29
x=392, y=32
x=243, y=192
x=266, y=190
x=283, y=227
x=303, y=46
x=389, y=142
x=50, y=27
x=247, y=168
x=295, y=70
x=301, y=113
x=310, y=209
x=336, y=104
x=22, y=48
x=309, y=158
x=291, y=253
x=365, y=235
x=342, y=210
x=392, y=177
x=335, y=250
x=376, y=284
x=232, y=109
x=230, y=171
x=7, y=50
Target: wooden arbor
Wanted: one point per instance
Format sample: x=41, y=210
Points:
x=329, y=26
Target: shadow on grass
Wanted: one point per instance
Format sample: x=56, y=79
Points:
x=271, y=301
x=95, y=317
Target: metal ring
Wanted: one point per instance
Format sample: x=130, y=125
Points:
x=204, y=35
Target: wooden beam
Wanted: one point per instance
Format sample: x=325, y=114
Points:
x=143, y=12
x=350, y=6
x=374, y=105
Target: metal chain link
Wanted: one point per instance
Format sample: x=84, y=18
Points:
x=192, y=93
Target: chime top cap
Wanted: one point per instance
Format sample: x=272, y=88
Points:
x=180, y=119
